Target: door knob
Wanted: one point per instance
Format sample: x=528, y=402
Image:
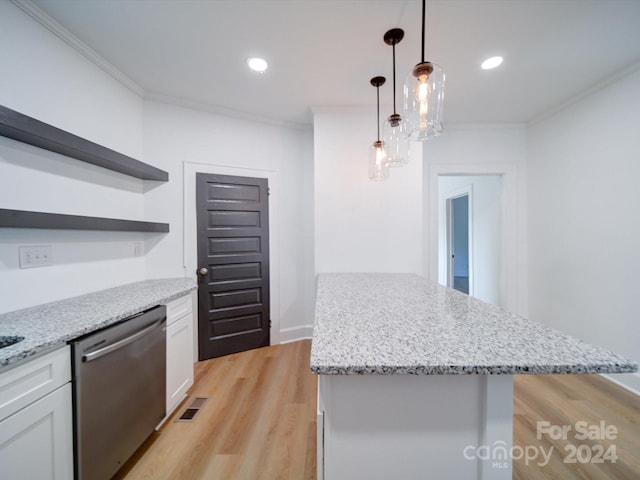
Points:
x=203, y=271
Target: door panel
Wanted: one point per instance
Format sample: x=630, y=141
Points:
x=228, y=193
x=221, y=220
x=237, y=298
x=233, y=244
x=236, y=271
x=238, y=324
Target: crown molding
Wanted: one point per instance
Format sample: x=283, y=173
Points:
x=483, y=126
x=371, y=110
x=223, y=111
x=345, y=109
x=613, y=78
x=74, y=42
x=54, y=27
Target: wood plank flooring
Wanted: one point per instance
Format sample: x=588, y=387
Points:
x=564, y=400
x=259, y=423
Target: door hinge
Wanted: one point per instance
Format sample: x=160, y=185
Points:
x=270, y=324
x=268, y=191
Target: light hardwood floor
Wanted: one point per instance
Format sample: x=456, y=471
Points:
x=259, y=423
x=565, y=400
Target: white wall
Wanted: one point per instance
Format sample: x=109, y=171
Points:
x=583, y=171
x=484, y=150
x=362, y=225
x=184, y=140
x=44, y=77
x=392, y=226
x=485, y=208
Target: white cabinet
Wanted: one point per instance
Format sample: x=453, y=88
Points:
x=36, y=436
x=179, y=350
x=380, y=427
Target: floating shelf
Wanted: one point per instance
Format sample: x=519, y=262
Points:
x=26, y=219
x=26, y=129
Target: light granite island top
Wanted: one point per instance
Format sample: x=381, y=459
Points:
x=50, y=325
x=415, y=380
x=405, y=324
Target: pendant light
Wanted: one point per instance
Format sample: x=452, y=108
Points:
x=395, y=129
x=378, y=168
x=424, y=95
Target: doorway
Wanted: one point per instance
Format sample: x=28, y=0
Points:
x=233, y=264
x=458, y=233
x=471, y=205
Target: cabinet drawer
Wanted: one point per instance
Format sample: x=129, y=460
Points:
x=179, y=308
x=30, y=381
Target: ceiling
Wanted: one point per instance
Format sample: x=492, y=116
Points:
x=322, y=53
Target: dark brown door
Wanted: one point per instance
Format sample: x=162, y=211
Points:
x=233, y=263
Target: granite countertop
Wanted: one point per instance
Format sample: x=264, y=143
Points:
x=405, y=324
x=51, y=325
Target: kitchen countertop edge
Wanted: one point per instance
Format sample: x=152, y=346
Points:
x=350, y=317
x=51, y=325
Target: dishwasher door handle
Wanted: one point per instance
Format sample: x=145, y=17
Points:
x=121, y=343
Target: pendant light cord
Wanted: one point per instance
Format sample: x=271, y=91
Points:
x=394, y=78
x=424, y=17
x=378, y=122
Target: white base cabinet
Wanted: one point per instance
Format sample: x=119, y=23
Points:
x=381, y=427
x=179, y=350
x=36, y=436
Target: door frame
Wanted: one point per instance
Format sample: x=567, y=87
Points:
x=512, y=285
x=190, y=234
x=446, y=277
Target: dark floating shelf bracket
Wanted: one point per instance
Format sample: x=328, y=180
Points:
x=25, y=219
x=26, y=129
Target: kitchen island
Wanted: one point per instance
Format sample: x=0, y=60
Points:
x=416, y=379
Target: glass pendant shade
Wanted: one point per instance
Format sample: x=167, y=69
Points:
x=394, y=134
x=423, y=98
x=394, y=130
x=378, y=168
x=423, y=95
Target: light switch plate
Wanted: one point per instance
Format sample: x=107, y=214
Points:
x=35, y=256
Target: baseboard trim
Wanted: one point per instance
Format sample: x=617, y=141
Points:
x=293, y=334
x=628, y=381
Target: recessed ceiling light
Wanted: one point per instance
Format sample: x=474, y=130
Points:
x=257, y=64
x=490, y=63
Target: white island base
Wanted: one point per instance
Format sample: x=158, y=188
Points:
x=408, y=427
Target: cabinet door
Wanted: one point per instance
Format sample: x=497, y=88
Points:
x=179, y=360
x=37, y=441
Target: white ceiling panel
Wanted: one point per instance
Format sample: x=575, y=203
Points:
x=323, y=52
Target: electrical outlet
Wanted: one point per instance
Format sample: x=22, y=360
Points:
x=35, y=256
x=138, y=249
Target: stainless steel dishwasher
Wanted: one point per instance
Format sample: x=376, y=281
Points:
x=119, y=378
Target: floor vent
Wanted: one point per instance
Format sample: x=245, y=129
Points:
x=192, y=410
